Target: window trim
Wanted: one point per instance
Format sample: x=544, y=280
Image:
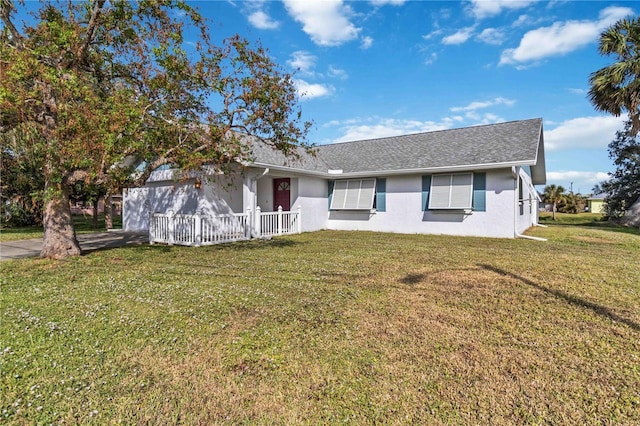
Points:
x=436, y=191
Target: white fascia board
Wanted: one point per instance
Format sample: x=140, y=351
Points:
x=380, y=173
x=293, y=170
x=433, y=170
x=539, y=169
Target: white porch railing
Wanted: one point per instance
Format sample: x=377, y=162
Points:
x=198, y=229
x=280, y=222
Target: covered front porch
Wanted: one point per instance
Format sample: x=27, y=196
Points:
x=209, y=209
x=203, y=229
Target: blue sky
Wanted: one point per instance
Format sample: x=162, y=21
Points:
x=368, y=69
x=376, y=68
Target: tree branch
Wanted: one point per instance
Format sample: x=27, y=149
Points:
x=6, y=7
x=91, y=28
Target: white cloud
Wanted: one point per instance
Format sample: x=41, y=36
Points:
x=325, y=21
x=577, y=91
x=303, y=61
x=432, y=34
x=376, y=127
x=561, y=37
x=385, y=2
x=593, y=177
x=583, y=132
x=485, y=104
x=367, y=42
x=581, y=181
x=521, y=21
x=526, y=21
x=459, y=37
x=486, y=118
x=491, y=36
x=431, y=58
x=337, y=73
x=487, y=8
x=307, y=91
x=261, y=20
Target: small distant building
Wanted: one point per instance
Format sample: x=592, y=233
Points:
x=595, y=203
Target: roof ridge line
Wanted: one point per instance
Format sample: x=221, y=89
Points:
x=431, y=131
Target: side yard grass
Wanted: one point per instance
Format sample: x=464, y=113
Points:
x=83, y=224
x=329, y=327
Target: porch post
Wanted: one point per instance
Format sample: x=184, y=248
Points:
x=248, y=222
x=299, y=219
x=172, y=227
x=197, y=237
x=258, y=222
x=152, y=227
x=279, y=220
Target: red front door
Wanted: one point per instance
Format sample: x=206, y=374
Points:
x=282, y=194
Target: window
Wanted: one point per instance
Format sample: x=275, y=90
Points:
x=353, y=194
x=479, y=203
x=521, y=195
x=451, y=191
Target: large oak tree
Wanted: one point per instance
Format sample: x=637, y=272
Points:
x=105, y=92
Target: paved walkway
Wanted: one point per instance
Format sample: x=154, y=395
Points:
x=88, y=242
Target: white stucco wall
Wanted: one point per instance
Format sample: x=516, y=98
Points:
x=312, y=196
x=308, y=193
x=527, y=209
x=404, y=212
x=218, y=194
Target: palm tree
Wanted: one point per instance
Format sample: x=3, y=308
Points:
x=554, y=194
x=616, y=88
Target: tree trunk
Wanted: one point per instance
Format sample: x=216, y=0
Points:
x=59, y=234
x=94, y=204
x=553, y=209
x=108, y=212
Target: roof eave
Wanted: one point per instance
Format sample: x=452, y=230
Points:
x=376, y=173
x=539, y=168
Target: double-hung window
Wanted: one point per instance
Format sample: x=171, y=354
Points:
x=353, y=194
x=451, y=191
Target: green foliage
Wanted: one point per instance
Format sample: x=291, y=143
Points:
x=616, y=88
x=562, y=201
x=623, y=186
x=572, y=203
x=94, y=90
x=554, y=194
x=21, y=184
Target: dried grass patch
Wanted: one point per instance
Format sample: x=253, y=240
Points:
x=324, y=328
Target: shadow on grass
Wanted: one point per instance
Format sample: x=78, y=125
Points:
x=259, y=243
x=236, y=245
x=412, y=279
x=590, y=223
x=96, y=244
x=608, y=226
x=573, y=300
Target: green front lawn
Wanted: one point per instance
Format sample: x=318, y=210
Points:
x=329, y=327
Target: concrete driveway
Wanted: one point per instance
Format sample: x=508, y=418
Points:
x=88, y=242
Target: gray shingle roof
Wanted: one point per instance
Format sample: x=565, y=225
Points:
x=265, y=155
x=512, y=143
